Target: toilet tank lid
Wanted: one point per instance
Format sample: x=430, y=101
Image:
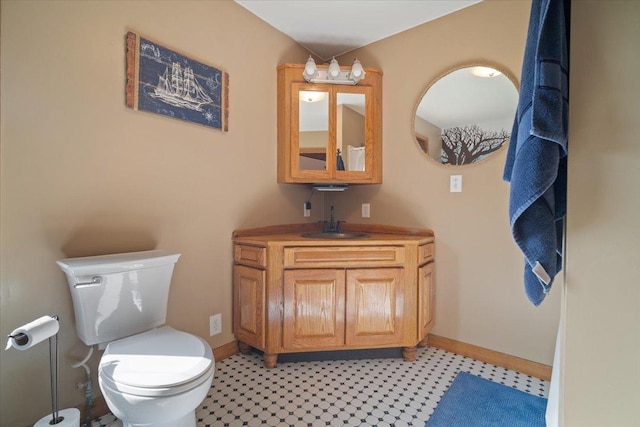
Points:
x=115, y=263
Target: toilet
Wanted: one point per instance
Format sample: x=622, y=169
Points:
x=149, y=374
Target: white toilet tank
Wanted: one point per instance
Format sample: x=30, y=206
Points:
x=115, y=296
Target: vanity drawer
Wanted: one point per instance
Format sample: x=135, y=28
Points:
x=426, y=253
x=253, y=256
x=341, y=256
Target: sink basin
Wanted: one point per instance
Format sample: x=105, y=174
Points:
x=335, y=235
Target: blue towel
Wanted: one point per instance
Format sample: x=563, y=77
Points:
x=536, y=164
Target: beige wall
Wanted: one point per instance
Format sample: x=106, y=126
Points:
x=479, y=291
x=313, y=139
x=81, y=174
x=601, y=384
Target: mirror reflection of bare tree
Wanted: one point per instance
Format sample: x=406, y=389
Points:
x=464, y=115
x=467, y=144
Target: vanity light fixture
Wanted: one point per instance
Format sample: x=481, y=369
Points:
x=311, y=96
x=485, y=72
x=333, y=74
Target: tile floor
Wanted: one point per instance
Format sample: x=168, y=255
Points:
x=368, y=392
x=106, y=421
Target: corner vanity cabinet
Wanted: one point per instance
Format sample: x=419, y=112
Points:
x=294, y=294
x=315, y=120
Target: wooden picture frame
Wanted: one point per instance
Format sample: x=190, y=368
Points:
x=162, y=81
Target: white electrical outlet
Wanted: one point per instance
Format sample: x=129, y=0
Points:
x=455, y=184
x=306, y=209
x=215, y=324
x=366, y=210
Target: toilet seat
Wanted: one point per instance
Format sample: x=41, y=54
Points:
x=160, y=362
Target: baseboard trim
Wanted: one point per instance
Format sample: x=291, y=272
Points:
x=482, y=354
x=99, y=407
x=225, y=350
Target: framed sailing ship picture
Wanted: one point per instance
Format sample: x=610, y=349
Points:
x=162, y=81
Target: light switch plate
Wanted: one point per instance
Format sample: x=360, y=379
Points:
x=366, y=210
x=455, y=184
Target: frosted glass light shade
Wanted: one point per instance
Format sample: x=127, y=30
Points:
x=334, y=69
x=356, y=69
x=310, y=69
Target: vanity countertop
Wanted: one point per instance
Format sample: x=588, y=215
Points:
x=292, y=234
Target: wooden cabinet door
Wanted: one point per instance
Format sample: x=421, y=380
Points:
x=310, y=132
x=375, y=302
x=249, y=305
x=313, y=309
x=426, y=299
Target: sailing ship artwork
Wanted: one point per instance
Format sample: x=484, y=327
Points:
x=165, y=82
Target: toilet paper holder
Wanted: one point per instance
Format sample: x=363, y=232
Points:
x=22, y=339
x=53, y=369
x=19, y=338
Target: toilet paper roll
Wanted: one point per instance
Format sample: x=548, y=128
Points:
x=71, y=419
x=32, y=333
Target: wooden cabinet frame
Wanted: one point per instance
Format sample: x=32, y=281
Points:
x=295, y=295
x=290, y=83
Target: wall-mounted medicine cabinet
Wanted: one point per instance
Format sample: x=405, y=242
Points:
x=329, y=133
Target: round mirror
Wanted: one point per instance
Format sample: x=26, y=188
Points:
x=466, y=115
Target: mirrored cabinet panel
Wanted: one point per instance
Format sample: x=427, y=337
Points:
x=351, y=131
x=329, y=133
x=313, y=129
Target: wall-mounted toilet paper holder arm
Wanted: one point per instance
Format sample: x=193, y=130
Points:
x=95, y=281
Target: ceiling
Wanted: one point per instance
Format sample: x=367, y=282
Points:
x=462, y=98
x=332, y=27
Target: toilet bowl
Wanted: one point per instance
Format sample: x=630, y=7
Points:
x=149, y=374
x=156, y=378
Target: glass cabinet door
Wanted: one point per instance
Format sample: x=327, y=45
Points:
x=329, y=135
x=313, y=129
x=351, y=137
x=310, y=131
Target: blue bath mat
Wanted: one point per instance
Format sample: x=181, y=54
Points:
x=473, y=401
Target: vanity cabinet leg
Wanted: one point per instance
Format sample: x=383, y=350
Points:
x=244, y=348
x=409, y=354
x=423, y=343
x=270, y=360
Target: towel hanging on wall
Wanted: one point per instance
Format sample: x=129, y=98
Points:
x=536, y=164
